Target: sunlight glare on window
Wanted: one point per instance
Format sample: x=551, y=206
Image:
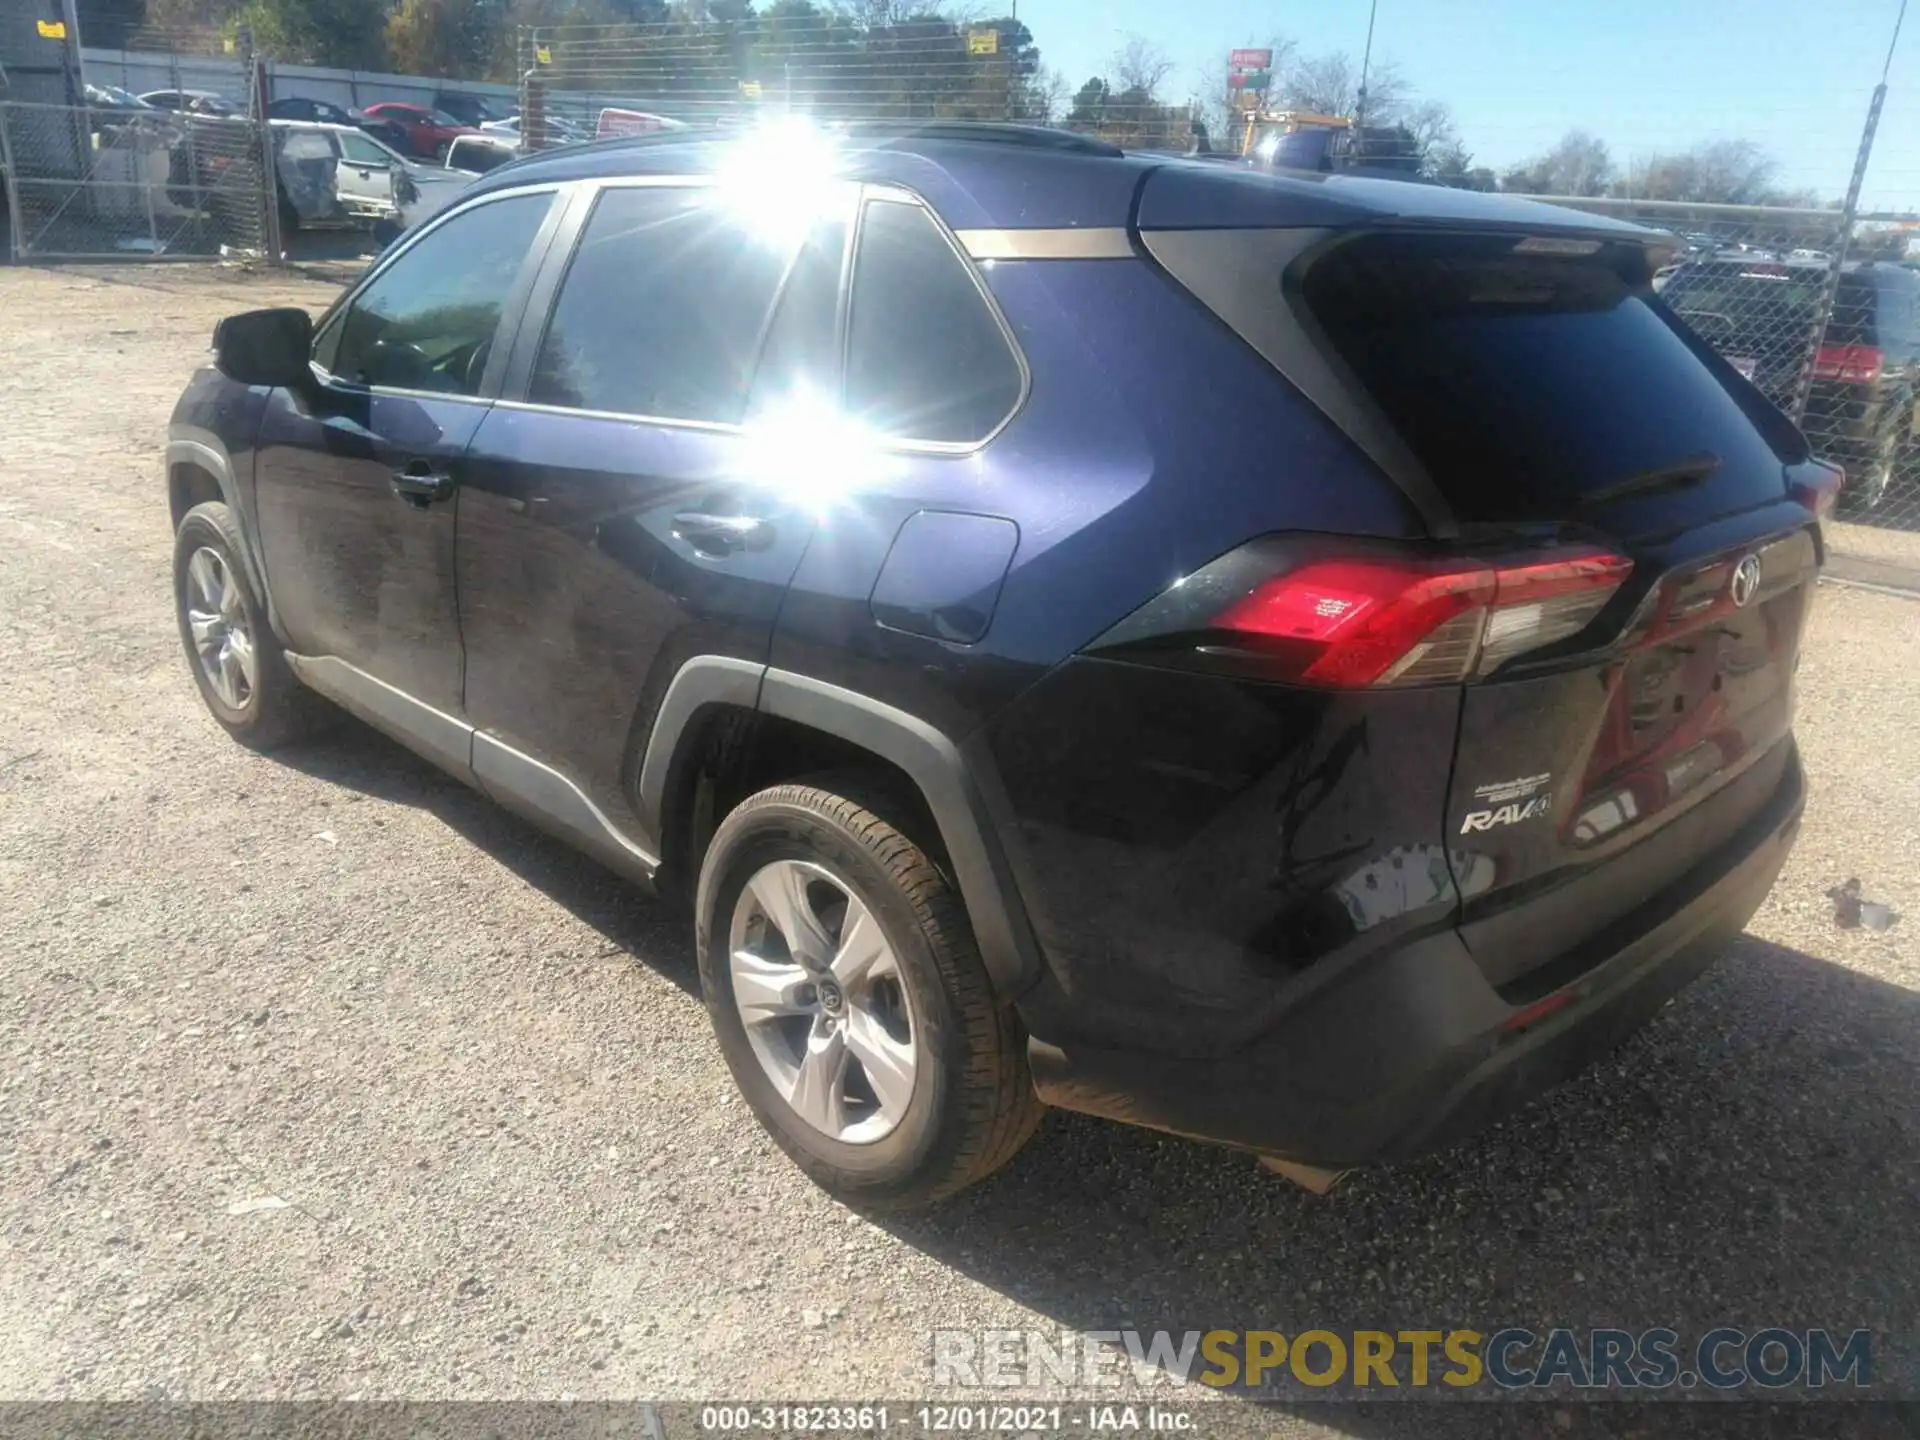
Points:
x=778, y=178
x=806, y=448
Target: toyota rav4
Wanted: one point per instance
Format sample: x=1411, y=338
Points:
x=1297, y=661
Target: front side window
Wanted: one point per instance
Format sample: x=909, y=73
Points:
x=359, y=150
x=427, y=321
x=662, y=308
x=927, y=359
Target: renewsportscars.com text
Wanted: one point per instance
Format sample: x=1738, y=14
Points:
x=1725, y=1358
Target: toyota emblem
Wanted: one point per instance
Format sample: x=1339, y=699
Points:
x=1746, y=581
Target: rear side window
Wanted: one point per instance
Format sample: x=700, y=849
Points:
x=927, y=359
x=662, y=309
x=1528, y=382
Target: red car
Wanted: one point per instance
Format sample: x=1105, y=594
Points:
x=428, y=132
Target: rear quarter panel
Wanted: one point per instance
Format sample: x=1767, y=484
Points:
x=1151, y=441
x=1179, y=844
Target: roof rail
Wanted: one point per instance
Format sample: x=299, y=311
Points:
x=989, y=132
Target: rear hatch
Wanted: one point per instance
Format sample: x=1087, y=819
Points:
x=1628, y=535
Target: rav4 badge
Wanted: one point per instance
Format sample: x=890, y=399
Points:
x=1505, y=815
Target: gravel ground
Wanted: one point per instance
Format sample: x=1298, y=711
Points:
x=1877, y=543
x=322, y=1077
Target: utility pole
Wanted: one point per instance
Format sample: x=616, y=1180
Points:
x=1366, y=61
x=1357, y=142
x=1850, y=210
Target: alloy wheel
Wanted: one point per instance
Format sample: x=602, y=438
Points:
x=217, y=620
x=825, y=1006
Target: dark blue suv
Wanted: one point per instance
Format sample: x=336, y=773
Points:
x=1297, y=661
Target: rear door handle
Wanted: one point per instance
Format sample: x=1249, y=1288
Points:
x=720, y=534
x=419, y=484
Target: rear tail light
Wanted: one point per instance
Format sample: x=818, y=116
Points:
x=1821, y=491
x=1361, y=622
x=1354, y=621
x=1854, y=364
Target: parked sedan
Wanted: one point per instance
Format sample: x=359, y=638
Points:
x=470, y=109
x=304, y=107
x=428, y=132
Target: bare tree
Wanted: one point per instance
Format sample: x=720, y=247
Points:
x=1724, y=172
x=1330, y=85
x=1051, y=93
x=1141, y=67
x=1578, y=164
x=1431, y=124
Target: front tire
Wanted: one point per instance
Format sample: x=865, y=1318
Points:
x=237, y=663
x=851, y=1003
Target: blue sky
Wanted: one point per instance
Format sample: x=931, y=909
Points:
x=1795, y=75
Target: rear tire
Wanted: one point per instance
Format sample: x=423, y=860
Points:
x=828, y=863
x=238, y=665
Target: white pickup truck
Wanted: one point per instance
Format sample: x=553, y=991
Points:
x=375, y=182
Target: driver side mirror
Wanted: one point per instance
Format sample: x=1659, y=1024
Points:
x=265, y=347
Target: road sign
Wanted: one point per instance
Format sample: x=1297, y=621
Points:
x=983, y=42
x=1250, y=71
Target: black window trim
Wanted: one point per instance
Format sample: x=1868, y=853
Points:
x=512, y=304
x=542, y=296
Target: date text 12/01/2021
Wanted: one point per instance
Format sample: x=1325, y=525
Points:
x=942, y=1419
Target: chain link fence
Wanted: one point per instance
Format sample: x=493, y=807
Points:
x=583, y=81
x=87, y=182
x=1824, y=318
x=189, y=174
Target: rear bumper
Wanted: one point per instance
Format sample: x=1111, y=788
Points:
x=1416, y=1049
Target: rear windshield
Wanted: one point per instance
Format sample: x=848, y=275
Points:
x=1528, y=382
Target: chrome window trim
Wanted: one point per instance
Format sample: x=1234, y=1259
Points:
x=1061, y=244
x=866, y=193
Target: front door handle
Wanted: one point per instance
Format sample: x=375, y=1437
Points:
x=419, y=484
x=721, y=534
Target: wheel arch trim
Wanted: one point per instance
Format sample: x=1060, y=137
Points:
x=957, y=798
x=203, y=450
